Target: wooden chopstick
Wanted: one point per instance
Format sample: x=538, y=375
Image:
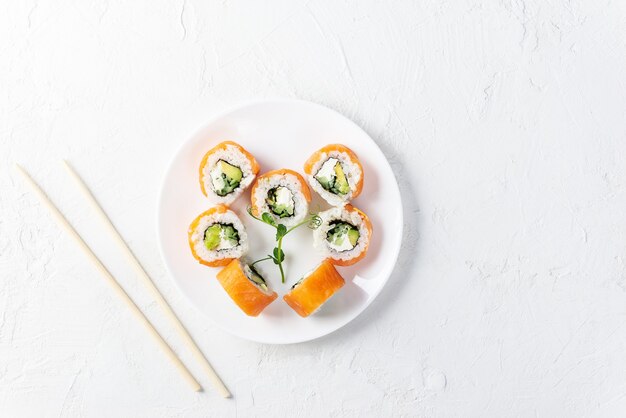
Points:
x=147, y=281
x=58, y=216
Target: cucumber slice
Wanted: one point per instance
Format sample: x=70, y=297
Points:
x=326, y=183
x=230, y=234
x=341, y=185
x=332, y=177
x=225, y=178
x=280, y=201
x=342, y=236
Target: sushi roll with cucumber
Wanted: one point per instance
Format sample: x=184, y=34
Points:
x=335, y=173
x=226, y=171
x=217, y=236
x=344, y=235
x=283, y=194
x=314, y=289
x=246, y=287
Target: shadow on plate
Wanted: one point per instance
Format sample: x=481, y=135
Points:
x=407, y=259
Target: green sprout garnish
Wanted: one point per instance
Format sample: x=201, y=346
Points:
x=278, y=255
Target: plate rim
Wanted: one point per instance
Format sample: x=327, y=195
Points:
x=204, y=126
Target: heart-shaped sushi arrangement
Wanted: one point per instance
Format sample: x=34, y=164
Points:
x=280, y=199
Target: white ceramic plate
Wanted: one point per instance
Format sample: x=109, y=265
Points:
x=280, y=134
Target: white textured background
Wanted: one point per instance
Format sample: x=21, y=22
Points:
x=504, y=120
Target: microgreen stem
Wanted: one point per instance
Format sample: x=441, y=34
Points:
x=254, y=216
x=279, y=256
x=258, y=261
x=306, y=221
x=280, y=265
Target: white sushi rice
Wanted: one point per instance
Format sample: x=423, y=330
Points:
x=351, y=170
x=233, y=156
x=228, y=217
x=340, y=214
x=301, y=205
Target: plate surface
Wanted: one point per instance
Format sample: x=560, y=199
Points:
x=280, y=134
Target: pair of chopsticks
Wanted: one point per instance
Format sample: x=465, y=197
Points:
x=119, y=290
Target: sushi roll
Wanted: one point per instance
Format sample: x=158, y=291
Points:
x=283, y=194
x=226, y=171
x=315, y=288
x=246, y=287
x=344, y=235
x=217, y=236
x=335, y=173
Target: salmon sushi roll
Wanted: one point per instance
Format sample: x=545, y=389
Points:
x=335, y=173
x=246, y=287
x=283, y=194
x=314, y=289
x=344, y=235
x=226, y=171
x=217, y=236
